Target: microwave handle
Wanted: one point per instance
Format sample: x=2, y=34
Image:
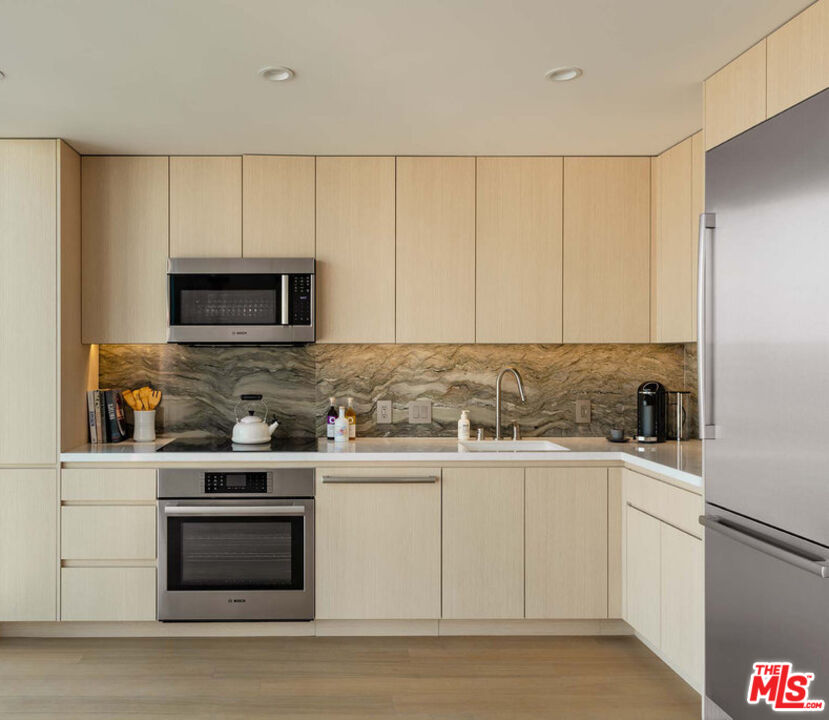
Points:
x=286, y=311
x=232, y=510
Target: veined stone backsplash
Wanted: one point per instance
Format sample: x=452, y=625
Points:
x=201, y=385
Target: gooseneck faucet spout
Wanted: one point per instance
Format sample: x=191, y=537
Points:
x=501, y=374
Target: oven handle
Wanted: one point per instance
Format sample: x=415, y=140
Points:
x=233, y=511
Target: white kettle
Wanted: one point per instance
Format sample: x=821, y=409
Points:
x=252, y=429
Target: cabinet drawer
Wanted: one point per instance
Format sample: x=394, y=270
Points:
x=107, y=485
x=107, y=593
x=673, y=505
x=108, y=533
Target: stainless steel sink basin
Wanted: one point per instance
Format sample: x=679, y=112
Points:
x=510, y=446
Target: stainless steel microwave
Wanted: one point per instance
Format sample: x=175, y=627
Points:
x=240, y=300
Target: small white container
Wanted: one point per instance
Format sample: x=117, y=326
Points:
x=463, y=425
x=144, y=430
x=341, y=427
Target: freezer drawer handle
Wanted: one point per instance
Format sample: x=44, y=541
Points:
x=233, y=510
x=358, y=479
x=766, y=545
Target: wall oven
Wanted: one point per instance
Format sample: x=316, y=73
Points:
x=240, y=300
x=236, y=544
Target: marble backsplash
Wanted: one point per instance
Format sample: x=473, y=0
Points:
x=201, y=384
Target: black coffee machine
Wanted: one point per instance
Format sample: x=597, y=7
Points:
x=651, y=413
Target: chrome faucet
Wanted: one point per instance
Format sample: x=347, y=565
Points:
x=498, y=396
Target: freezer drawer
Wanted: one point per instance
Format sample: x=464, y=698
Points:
x=765, y=601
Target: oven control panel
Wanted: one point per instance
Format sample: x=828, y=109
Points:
x=235, y=482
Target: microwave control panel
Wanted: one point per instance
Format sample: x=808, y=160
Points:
x=300, y=289
x=235, y=482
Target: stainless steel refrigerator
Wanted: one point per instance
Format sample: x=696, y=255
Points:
x=764, y=395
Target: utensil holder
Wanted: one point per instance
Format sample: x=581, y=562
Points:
x=144, y=430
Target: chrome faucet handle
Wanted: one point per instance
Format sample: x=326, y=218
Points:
x=516, y=431
x=480, y=435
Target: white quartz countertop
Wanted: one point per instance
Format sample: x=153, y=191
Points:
x=680, y=461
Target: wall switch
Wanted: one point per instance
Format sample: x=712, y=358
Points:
x=384, y=412
x=420, y=412
x=582, y=411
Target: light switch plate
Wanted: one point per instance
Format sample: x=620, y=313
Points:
x=582, y=411
x=420, y=412
x=384, y=412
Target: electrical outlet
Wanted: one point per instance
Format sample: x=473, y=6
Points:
x=384, y=412
x=420, y=412
x=582, y=411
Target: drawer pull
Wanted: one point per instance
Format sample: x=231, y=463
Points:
x=359, y=480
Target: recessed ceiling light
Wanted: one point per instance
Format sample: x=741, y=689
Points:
x=277, y=73
x=563, y=74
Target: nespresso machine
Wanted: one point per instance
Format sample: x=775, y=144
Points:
x=651, y=412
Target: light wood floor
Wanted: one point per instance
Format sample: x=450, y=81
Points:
x=577, y=678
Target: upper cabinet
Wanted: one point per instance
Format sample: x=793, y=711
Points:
x=798, y=58
x=205, y=207
x=278, y=206
x=735, y=97
x=355, y=249
x=124, y=226
x=518, y=250
x=606, y=249
x=435, y=250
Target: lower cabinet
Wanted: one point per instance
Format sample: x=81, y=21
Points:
x=378, y=544
x=483, y=543
x=108, y=593
x=642, y=569
x=28, y=543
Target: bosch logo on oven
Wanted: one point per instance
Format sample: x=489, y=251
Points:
x=236, y=600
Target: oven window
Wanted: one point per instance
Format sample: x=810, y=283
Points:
x=224, y=553
x=225, y=299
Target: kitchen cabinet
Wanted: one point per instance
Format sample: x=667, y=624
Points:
x=278, y=206
x=682, y=602
x=378, y=543
x=108, y=593
x=28, y=302
x=798, y=58
x=435, y=266
x=566, y=542
x=483, y=543
x=113, y=486
x=606, y=250
x=28, y=544
x=642, y=571
x=124, y=220
x=205, y=207
x=518, y=250
x=735, y=96
x=108, y=532
x=355, y=249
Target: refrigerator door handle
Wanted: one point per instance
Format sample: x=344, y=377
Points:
x=707, y=223
x=816, y=566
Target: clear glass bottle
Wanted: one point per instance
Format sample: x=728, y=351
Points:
x=351, y=416
x=330, y=418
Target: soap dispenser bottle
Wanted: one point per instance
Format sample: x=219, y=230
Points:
x=341, y=427
x=463, y=425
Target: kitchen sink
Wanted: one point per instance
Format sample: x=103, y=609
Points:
x=510, y=446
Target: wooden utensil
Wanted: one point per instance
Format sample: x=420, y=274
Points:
x=155, y=399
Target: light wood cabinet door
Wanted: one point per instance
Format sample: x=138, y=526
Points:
x=435, y=250
x=108, y=485
x=355, y=249
x=518, y=250
x=112, y=594
x=108, y=532
x=28, y=544
x=483, y=543
x=642, y=572
x=798, y=58
x=205, y=207
x=566, y=542
x=28, y=302
x=735, y=96
x=278, y=206
x=607, y=250
x=378, y=544
x=673, y=281
x=682, y=603
x=124, y=230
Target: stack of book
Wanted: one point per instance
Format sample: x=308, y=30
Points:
x=105, y=410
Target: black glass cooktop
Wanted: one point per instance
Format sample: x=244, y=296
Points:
x=221, y=444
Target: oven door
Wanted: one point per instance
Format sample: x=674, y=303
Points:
x=236, y=559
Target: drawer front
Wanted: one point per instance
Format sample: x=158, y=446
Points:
x=108, y=533
x=99, y=484
x=673, y=505
x=107, y=593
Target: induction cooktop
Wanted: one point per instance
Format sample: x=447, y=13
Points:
x=223, y=444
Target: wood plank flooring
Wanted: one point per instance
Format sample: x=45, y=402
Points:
x=418, y=678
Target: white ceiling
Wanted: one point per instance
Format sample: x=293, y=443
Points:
x=373, y=76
